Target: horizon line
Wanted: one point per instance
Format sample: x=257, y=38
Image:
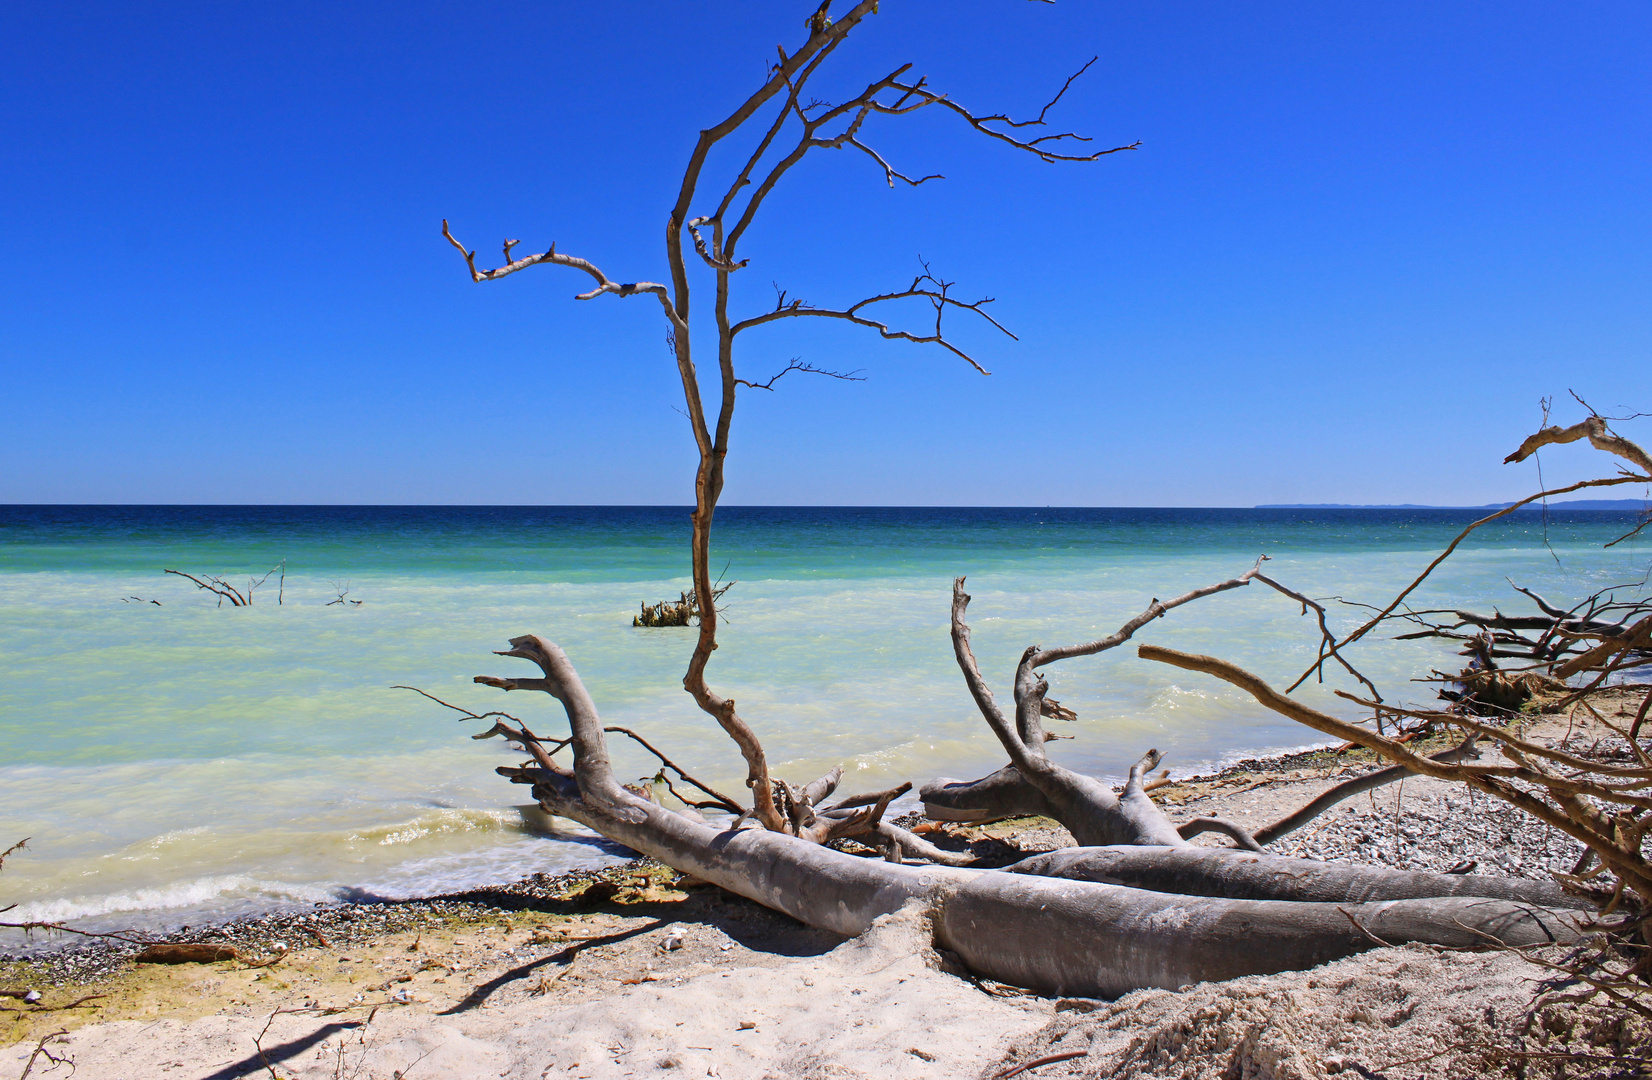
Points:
x=1616, y=503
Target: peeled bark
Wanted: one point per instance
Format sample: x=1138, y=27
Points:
x=1243, y=875
x=1081, y=938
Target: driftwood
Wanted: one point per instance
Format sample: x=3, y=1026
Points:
x=796, y=126
x=1513, y=658
x=1596, y=792
x=42, y=1049
x=1047, y=933
x=237, y=597
x=342, y=596
x=1256, y=876
x=186, y=953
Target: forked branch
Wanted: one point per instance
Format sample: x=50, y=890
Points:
x=591, y=765
x=918, y=94
x=721, y=801
x=1154, y=610
x=222, y=589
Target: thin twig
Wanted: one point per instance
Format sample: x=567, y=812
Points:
x=1377, y=619
x=795, y=365
x=41, y=1051
x=1048, y=1059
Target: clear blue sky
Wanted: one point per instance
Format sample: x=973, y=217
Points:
x=1358, y=244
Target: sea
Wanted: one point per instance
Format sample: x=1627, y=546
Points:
x=173, y=759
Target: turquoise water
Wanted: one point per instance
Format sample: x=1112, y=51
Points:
x=185, y=761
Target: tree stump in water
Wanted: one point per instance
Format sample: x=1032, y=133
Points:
x=683, y=611
x=666, y=613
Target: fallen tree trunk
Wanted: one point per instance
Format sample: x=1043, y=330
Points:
x=1050, y=934
x=1057, y=934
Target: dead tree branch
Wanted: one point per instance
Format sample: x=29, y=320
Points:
x=1567, y=812
x=925, y=286
x=605, y=285
x=1600, y=436
x=722, y=801
x=42, y=1050
x=1232, y=829
x=13, y=850
x=218, y=587
x=1349, y=788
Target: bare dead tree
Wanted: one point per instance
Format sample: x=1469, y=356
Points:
x=797, y=125
x=1143, y=908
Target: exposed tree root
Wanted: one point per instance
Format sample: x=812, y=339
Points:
x=1081, y=938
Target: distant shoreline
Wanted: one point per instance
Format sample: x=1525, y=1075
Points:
x=1570, y=504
